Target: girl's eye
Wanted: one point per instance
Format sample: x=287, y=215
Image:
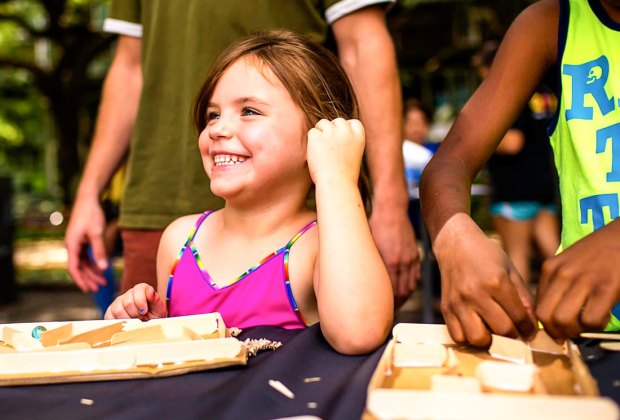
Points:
x=249, y=112
x=212, y=116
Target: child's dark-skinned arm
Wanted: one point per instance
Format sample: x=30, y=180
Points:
x=482, y=292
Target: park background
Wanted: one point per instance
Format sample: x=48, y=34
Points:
x=53, y=59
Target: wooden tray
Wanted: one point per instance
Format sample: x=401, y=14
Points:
x=453, y=385
x=83, y=351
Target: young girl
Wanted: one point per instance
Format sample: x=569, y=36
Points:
x=275, y=121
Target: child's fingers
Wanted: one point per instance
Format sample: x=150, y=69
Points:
x=454, y=326
x=357, y=127
x=129, y=304
x=157, y=305
x=117, y=310
x=324, y=125
x=143, y=295
x=476, y=332
x=520, y=308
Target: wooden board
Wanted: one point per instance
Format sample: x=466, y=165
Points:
x=85, y=350
x=561, y=386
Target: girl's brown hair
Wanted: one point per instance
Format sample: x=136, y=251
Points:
x=310, y=73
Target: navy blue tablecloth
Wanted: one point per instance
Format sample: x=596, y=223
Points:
x=242, y=392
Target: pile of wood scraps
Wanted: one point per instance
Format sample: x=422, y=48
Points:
x=37, y=353
x=424, y=374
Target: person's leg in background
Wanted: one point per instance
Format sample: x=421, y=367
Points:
x=547, y=232
x=515, y=228
x=140, y=254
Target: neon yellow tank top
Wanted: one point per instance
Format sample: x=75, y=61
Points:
x=586, y=136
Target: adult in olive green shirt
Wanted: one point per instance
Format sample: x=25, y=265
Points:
x=163, y=55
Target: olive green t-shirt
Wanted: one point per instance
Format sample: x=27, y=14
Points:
x=180, y=41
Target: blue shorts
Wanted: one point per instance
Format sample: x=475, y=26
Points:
x=520, y=210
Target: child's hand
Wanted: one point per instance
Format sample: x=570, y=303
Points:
x=335, y=150
x=141, y=301
x=579, y=286
x=482, y=293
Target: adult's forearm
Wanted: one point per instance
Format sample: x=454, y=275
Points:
x=116, y=117
x=370, y=62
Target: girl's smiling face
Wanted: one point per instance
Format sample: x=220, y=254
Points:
x=255, y=135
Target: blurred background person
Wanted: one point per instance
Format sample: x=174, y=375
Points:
x=524, y=193
x=417, y=151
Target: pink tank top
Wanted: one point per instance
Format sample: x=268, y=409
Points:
x=260, y=296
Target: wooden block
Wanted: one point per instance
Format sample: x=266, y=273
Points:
x=68, y=347
x=429, y=405
x=419, y=355
x=140, y=335
x=57, y=335
x=455, y=383
x=510, y=349
x=543, y=343
x=98, y=337
x=20, y=341
x=500, y=376
x=422, y=333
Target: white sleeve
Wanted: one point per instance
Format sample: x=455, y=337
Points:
x=344, y=7
x=122, y=27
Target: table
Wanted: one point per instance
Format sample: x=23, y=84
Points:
x=243, y=392
x=240, y=392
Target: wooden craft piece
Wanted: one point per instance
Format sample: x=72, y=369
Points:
x=422, y=333
x=429, y=405
x=54, y=336
x=20, y=341
x=600, y=336
x=119, y=358
x=139, y=335
x=510, y=349
x=419, y=355
x=180, y=352
x=67, y=347
x=205, y=325
x=550, y=381
x=610, y=345
x=544, y=343
x=98, y=337
x=5, y=348
x=452, y=363
x=500, y=376
x=455, y=383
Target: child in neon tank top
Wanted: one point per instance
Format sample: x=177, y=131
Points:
x=577, y=42
x=276, y=118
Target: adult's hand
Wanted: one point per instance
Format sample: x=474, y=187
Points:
x=86, y=228
x=579, y=286
x=395, y=239
x=482, y=293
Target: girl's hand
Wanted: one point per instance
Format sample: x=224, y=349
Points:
x=335, y=150
x=141, y=301
x=482, y=292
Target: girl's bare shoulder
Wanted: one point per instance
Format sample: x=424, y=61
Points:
x=177, y=232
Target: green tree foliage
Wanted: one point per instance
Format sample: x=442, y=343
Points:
x=53, y=57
